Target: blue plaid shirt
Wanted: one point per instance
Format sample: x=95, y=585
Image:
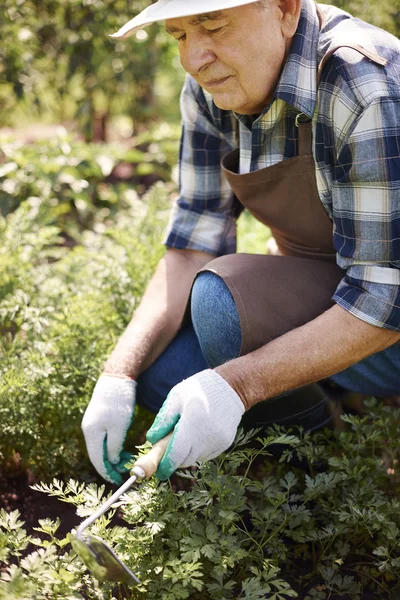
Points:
x=356, y=148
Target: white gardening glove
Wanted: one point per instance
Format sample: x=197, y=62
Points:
x=106, y=422
x=204, y=412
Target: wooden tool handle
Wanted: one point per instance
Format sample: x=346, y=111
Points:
x=150, y=461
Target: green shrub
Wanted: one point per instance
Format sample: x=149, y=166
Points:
x=60, y=318
x=76, y=182
x=58, y=62
x=248, y=526
x=76, y=252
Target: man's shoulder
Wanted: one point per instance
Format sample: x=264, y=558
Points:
x=348, y=69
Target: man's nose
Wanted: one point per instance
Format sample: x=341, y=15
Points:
x=196, y=56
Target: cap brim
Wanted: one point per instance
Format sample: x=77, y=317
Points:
x=173, y=9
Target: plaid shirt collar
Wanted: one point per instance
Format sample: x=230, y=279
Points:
x=298, y=81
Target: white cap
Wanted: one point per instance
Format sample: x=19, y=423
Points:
x=173, y=9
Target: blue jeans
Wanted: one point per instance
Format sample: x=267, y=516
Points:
x=215, y=337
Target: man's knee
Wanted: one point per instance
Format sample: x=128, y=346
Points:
x=181, y=359
x=215, y=319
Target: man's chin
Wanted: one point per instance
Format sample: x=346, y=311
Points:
x=226, y=103
x=237, y=105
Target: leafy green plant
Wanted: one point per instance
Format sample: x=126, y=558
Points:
x=319, y=522
x=76, y=252
x=57, y=62
x=61, y=311
x=78, y=182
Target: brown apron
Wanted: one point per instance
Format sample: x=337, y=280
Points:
x=275, y=294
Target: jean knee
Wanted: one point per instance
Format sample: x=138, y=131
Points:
x=181, y=359
x=215, y=319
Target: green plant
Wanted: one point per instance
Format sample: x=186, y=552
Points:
x=57, y=62
x=77, y=181
x=76, y=252
x=61, y=311
x=320, y=522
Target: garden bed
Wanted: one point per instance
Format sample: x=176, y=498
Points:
x=16, y=494
x=242, y=527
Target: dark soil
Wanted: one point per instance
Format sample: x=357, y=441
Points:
x=16, y=494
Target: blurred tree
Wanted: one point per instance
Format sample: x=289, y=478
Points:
x=56, y=57
x=382, y=13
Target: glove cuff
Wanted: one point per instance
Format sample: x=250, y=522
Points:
x=114, y=390
x=118, y=376
x=219, y=392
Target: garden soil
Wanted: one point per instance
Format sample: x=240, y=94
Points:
x=16, y=494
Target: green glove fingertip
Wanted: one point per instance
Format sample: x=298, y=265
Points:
x=165, y=469
x=167, y=466
x=112, y=474
x=161, y=427
x=125, y=458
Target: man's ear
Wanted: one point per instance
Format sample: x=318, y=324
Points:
x=290, y=14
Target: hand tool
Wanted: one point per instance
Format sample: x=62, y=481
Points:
x=94, y=552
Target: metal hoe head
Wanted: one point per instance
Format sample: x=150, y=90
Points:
x=94, y=552
x=102, y=561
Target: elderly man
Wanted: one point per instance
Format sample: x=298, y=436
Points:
x=292, y=110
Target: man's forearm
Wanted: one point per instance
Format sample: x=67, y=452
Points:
x=328, y=344
x=159, y=315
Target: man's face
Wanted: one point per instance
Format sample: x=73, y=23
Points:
x=237, y=54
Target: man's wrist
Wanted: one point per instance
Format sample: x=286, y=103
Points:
x=121, y=364
x=237, y=380
x=118, y=375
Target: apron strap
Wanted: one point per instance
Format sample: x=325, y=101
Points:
x=303, y=122
x=304, y=125
x=367, y=53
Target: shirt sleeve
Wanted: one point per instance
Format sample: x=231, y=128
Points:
x=203, y=217
x=366, y=215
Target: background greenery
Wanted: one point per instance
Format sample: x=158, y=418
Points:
x=81, y=220
x=58, y=64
